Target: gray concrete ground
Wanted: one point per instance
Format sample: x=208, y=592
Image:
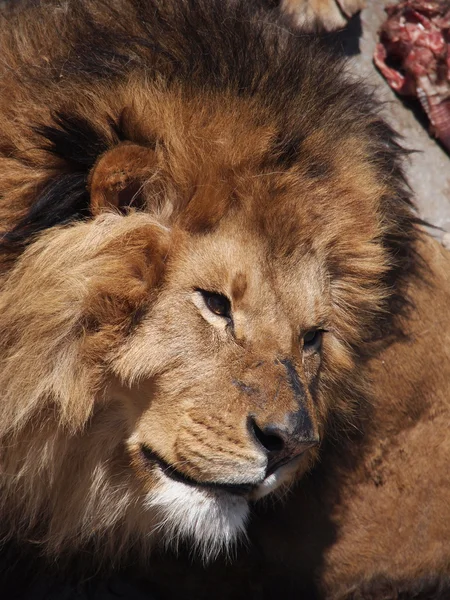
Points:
x=428, y=169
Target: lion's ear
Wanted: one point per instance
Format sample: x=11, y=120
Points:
x=117, y=178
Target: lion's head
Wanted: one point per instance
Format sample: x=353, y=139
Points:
x=182, y=350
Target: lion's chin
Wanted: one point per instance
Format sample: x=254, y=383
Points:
x=210, y=520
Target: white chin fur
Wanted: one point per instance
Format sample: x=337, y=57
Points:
x=211, y=520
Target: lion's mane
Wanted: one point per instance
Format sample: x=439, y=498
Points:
x=81, y=77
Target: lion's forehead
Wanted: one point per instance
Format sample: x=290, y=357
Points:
x=245, y=264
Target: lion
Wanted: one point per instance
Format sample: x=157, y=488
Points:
x=214, y=285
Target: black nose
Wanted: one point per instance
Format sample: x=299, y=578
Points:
x=282, y=444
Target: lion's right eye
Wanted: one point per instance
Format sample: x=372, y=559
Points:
x=218, y=304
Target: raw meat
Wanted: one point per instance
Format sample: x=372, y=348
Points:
x=413, y=56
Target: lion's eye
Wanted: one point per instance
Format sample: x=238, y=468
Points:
x=312, y=340
x=218, y=304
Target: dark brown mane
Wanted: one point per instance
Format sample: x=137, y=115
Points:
x=229, y=49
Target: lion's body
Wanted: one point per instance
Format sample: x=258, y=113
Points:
x=210, y=264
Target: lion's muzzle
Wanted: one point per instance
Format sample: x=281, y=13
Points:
x=281, y=420
x=283, y=443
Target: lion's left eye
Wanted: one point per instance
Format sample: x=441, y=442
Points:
x=218, y=304
x=312, y=340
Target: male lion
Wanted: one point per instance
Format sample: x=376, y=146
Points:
x=213, y=282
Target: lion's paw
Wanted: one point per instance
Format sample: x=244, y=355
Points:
x=321, y=14
x=446, y=240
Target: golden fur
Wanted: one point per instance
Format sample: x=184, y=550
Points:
x=151, y=156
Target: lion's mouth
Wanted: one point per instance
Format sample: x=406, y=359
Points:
x=239, y=489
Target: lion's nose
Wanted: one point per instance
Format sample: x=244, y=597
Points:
x=284, y=443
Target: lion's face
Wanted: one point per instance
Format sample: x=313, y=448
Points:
x=208, y=354
x=224, y=367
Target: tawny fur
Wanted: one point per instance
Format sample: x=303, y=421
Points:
x=159, y=149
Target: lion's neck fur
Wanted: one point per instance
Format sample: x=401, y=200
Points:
x=72, y=489
x=411, y=376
